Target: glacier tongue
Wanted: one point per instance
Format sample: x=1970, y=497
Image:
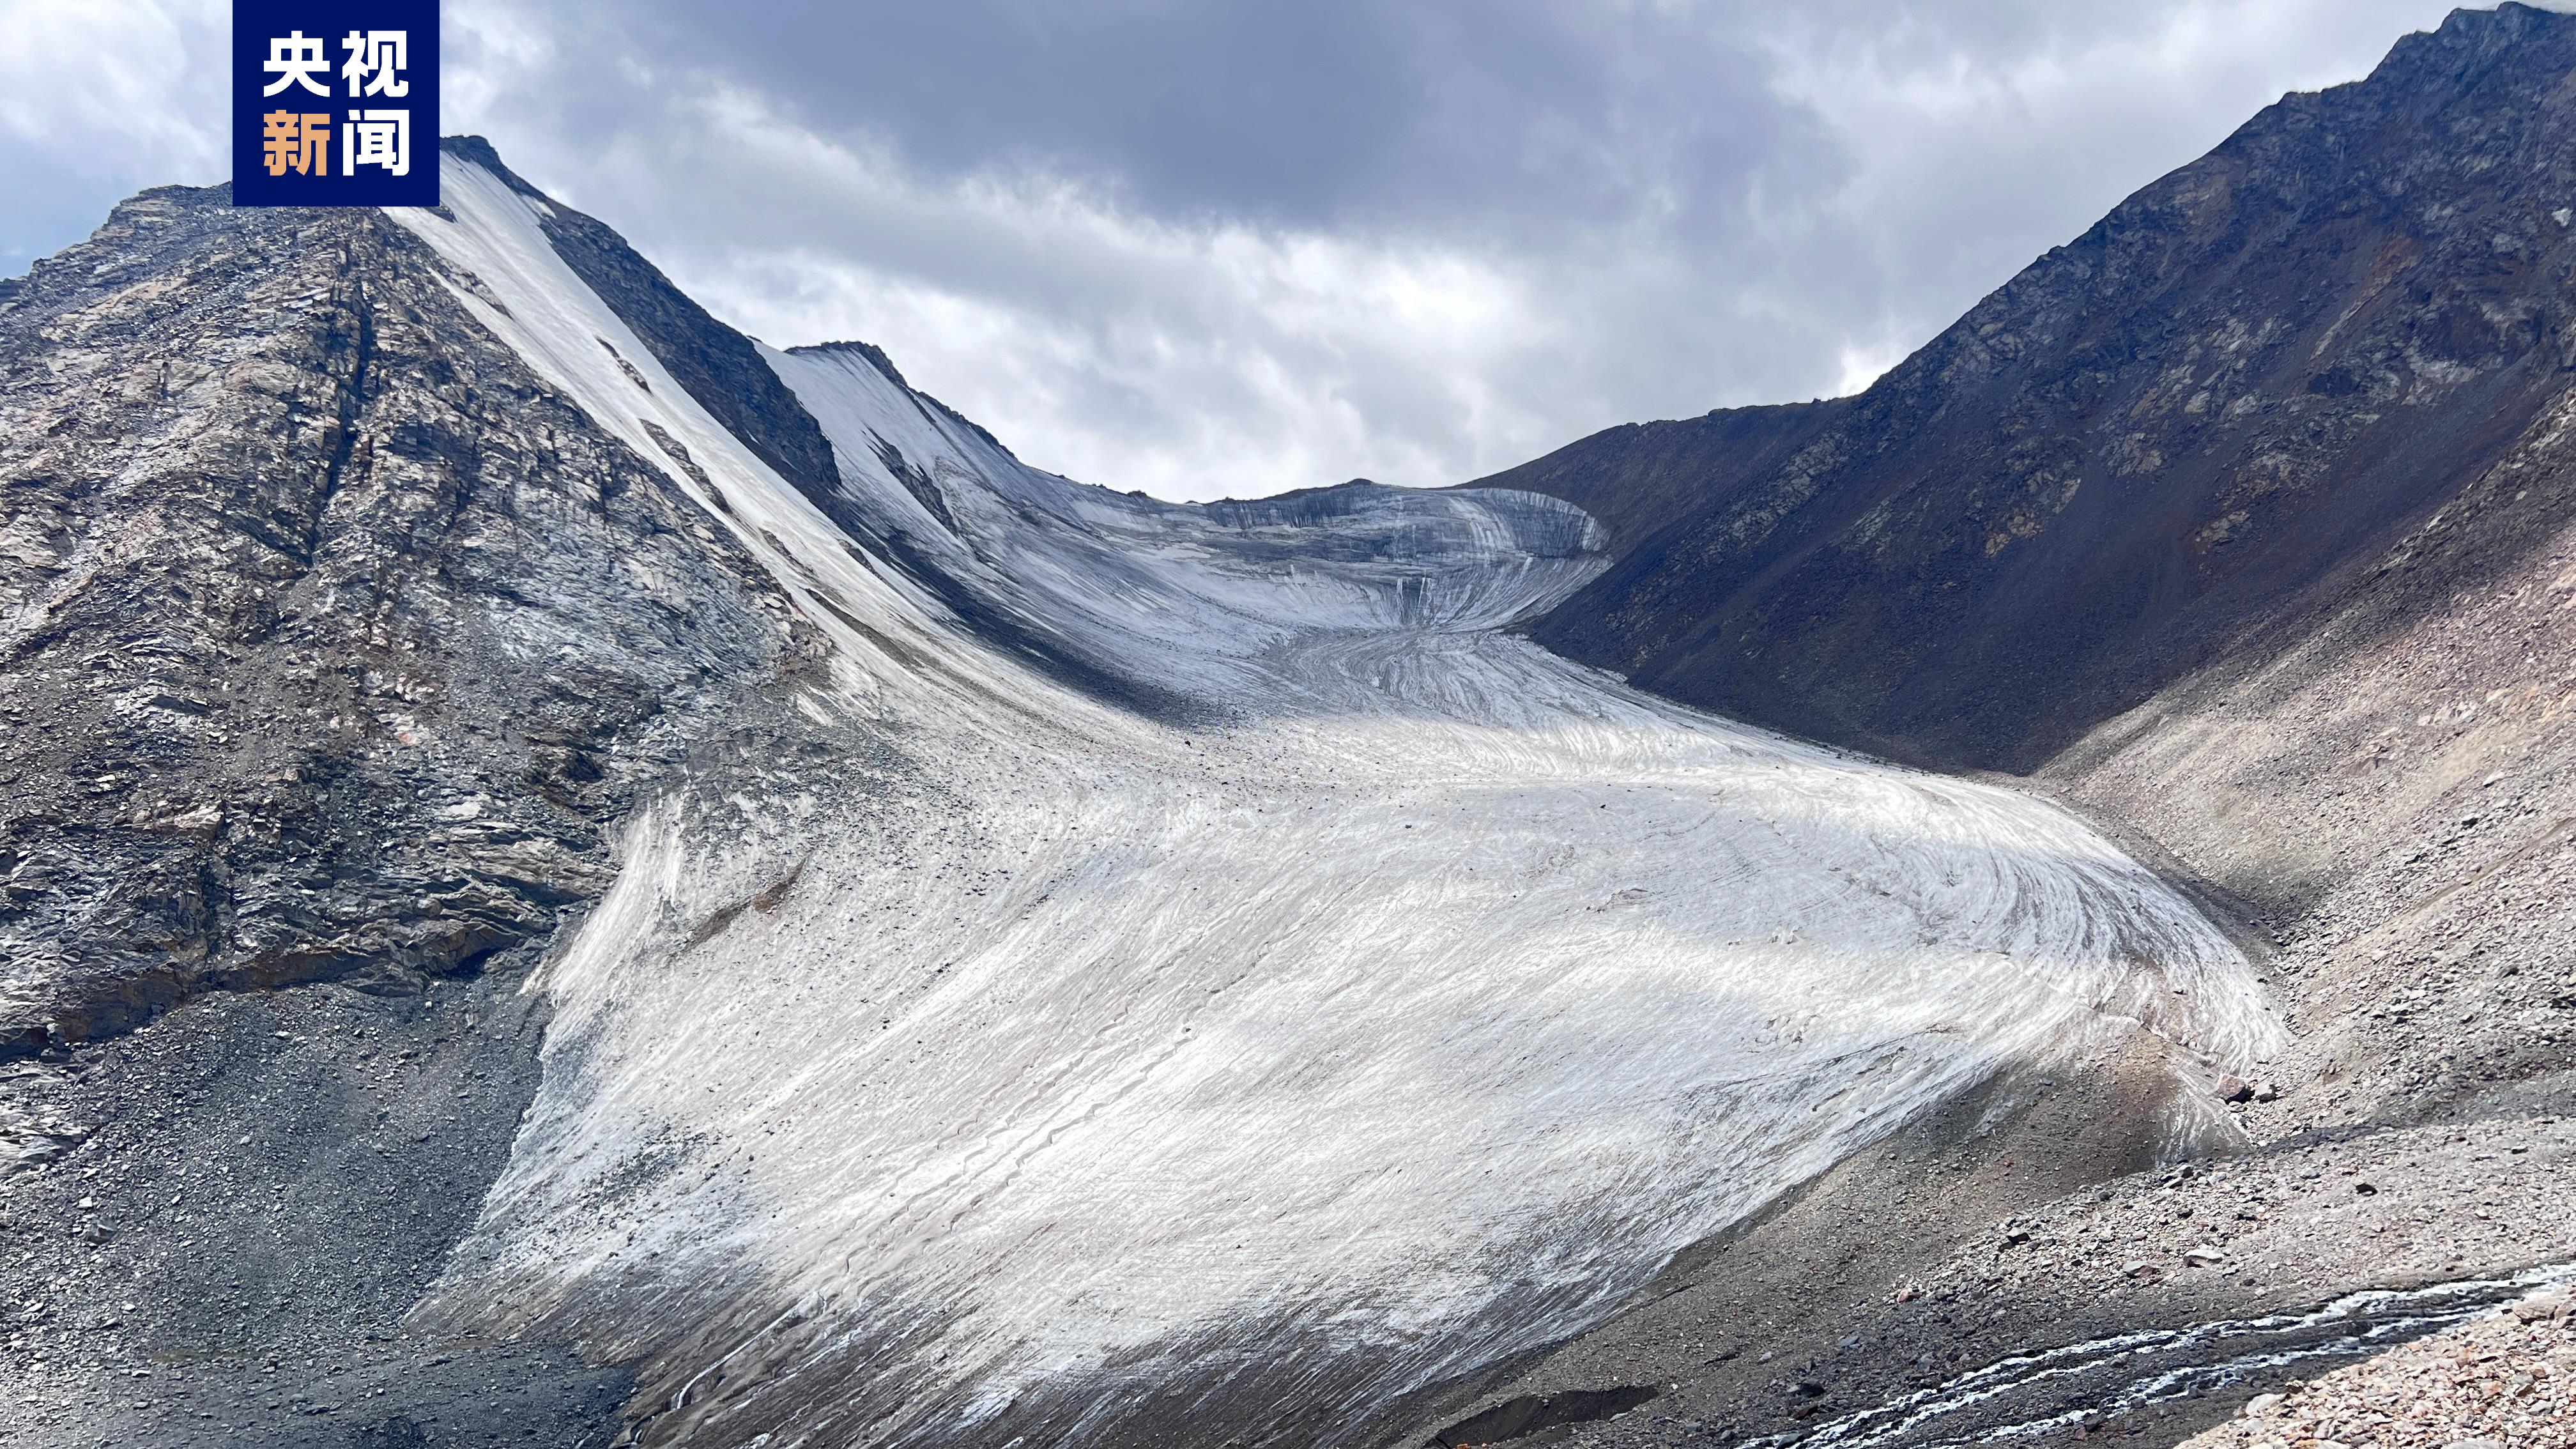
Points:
x=1380, y=997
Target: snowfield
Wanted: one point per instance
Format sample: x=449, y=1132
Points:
x=1248, y=984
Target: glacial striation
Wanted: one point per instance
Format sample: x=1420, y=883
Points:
x=1012, y=961
x=566, y=872
x=2245, y=523
x=1250, y=987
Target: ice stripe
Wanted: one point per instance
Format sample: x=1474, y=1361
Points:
x=1398, y=1007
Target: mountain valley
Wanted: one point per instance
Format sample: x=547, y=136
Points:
x=570, y=877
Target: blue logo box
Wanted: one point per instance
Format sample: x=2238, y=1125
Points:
x=335, y=104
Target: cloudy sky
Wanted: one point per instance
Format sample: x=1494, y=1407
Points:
x=1209, y=248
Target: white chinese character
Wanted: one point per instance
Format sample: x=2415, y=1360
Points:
x=376, y=138
x=374, y=57
x=295, y=60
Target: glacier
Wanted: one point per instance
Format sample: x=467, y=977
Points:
x=1241, y=984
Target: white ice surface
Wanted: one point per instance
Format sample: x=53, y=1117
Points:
x=1399, y=1013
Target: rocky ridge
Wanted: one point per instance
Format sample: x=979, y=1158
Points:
x=2154, y=447
x=334, y=640
x=329, y=688
x=2364, y=768
x=335, y=645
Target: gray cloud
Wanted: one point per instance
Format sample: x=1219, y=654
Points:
x=1322, y=113
x=1230, y=247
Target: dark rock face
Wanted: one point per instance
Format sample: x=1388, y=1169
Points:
x=333, y=636
x=1640, y=478
x=719, y=366
x=2246, y=524
x=333, y=644
x=2182, y=430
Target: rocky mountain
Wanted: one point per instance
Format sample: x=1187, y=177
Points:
x=337, y=643
x=2243, y=519
x=2176, y=438
x=572, y=877
x=2245, y=525
x=575, y=875
x=333, y=645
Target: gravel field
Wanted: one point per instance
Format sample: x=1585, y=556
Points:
x=2507, y=1381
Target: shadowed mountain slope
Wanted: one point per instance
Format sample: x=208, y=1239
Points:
x=2247, y=524
x=524, y=873
x=570, y=875
x=2173, y=437
x=1639, y=478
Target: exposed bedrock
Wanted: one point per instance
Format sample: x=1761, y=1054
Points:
x=2243, y=525
x=333, y=643
x=1014, y=958
x=333, y=638
x=806, y=930
x=2180, y=436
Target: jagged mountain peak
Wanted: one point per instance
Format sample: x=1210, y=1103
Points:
x=719, y=366
x=874, y=354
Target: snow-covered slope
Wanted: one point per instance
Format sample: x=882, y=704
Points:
x=1249, y=985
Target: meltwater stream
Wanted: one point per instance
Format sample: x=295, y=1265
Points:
x=1240, y=984
x=2031, y=1396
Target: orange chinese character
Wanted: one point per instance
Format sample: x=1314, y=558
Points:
x=288, y=138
